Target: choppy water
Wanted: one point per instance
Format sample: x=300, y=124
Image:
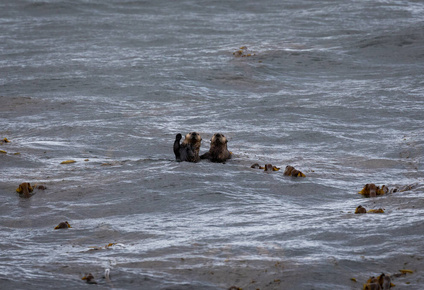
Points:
x=334, y=88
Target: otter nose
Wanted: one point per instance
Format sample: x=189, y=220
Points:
x=218, y=135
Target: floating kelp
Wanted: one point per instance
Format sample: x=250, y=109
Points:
x=63, y=225
x=3, y=152
x=267, y=167
x=405, y=271
x=360, y=209
x=68, y=162
x=25, y=189
x=102, y=248
x=5, y=140
x=270, y=167
x=89, y=278
x=402, y=188
x=291, y=171
x=381, y=282
x=371, y=190
x=242, y=52
x=380, y=210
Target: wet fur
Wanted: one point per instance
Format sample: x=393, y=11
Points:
x=218, y=151
x=189, y=149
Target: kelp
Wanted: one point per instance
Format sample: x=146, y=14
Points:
x=63, y=225
x=67, y=162
x=291, y=171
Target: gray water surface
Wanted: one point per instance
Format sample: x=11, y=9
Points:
x=334, y=88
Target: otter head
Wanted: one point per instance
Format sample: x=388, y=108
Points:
x=218, y=138
x=193, y=139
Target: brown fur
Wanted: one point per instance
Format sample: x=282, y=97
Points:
x=189, y=149
x=218, y=151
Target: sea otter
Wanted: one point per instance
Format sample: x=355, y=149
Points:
x=218, y=151
x=189, y=149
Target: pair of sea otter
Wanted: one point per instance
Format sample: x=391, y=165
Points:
x=189, y=149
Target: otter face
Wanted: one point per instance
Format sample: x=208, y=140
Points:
x=218, y=138
x=188, y=150
x=192, y=138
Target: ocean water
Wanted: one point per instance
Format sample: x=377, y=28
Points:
x=334, y=88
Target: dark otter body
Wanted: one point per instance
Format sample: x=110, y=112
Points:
x=189, y=149
x=218, y=151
